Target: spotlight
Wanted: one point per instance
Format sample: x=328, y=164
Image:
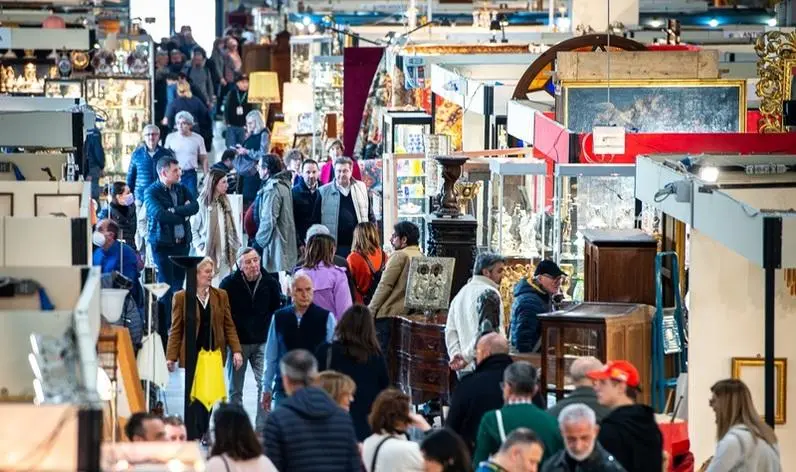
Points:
x=709, y=174
x=655, y=23
x=772, y=22
x=563, y=23
x=713, y=23
x=306, y=20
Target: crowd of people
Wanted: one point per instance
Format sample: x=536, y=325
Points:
x=295, y=282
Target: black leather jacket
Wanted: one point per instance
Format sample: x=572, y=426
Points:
x=599, y=461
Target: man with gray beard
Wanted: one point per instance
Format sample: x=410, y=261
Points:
x=582, y=452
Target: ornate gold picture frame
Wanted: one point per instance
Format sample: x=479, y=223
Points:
x=776, y=50
x=750, y=371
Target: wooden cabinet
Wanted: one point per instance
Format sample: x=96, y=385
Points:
x=419, y=358
x=619, y=266
x=607, y=331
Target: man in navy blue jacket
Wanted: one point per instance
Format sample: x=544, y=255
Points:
x=309, y=431
x=305, y=194
x=142, y=173
x=169, y=205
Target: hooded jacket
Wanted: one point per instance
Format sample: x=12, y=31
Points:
x=529, y=301
x=631, y=434
x=308, y=432
x=276, y=233
x=599, y=461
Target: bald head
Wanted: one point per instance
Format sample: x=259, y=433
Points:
x=582, y=366
x=489, y=345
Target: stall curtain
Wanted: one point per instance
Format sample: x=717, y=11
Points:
x=359, y=68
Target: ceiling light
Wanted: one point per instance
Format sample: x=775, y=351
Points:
x=655, y=23
x=713, y=23
x=772, y=22
x=709, y=174
x=306, y=20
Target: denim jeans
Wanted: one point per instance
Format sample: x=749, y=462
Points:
x=253, y=354
x=234, y=135
x=191, y=182
x=169, y=273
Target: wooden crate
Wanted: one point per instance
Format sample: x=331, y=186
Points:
x=638, y=65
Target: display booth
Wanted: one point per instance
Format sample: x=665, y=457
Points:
x=741, y=259
x=482, y=92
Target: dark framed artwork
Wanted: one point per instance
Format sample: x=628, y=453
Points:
x=62, y=205
x=6, y=204
x=655, y=106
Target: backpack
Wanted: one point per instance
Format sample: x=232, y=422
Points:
x=375, y=278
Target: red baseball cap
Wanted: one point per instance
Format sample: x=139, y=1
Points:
x=622, y=371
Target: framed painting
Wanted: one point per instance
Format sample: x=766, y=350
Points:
x=429, y=284
x=751, y=369
x=62, y=205
x=655, y=106
x=789, y=80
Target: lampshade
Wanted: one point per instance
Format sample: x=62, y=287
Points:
x=263, y=87
x=298, y=98
x=112, y=303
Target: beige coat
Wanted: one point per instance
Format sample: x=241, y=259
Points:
x=391, y=292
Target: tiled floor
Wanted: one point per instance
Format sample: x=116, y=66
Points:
x=175, y=396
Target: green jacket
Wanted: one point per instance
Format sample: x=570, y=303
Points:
x=517, y=416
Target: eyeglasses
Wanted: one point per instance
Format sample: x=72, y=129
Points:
x=151, y=134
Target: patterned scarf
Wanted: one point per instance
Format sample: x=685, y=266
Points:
x=214, y=233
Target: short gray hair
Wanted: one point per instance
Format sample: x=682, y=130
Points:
x=486, y=261
x=342, y=160
x=257, y=118
x=299, y=366
x=243, y=251
x=582, y=366
x=301, y=275
x=184, y=115
x=150, y=127
x=577, y=413
x=315, y=230
x=520, y=436
x=521, y=377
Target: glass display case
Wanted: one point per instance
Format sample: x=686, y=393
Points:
x=267, y=22
x=517, y=216
x=403, y=131
x=63, y=88
x=588, y=196
x=404, y=192
x=126, y=102
x=303, y=49
x=327, y=96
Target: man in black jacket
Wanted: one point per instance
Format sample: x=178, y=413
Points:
x=630, y=431
x=253, y=298
x=583, y=453
x=305, y=194
x=308, y=431
x=169, y=205
x=531, y=298
x=480, y=391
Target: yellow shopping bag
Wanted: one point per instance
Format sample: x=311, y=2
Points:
x=208, y=381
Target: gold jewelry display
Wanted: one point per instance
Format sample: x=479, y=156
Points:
x=776, y=51
x=512, y=275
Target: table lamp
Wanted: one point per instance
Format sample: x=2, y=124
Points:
x=264, y=89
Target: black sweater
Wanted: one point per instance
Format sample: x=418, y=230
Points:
x=370, y=377
x=252, y=315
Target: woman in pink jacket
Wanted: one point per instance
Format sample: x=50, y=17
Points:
x=330, y=284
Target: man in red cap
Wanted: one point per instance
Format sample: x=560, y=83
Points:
x=630, y=431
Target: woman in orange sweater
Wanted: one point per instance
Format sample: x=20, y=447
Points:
x=366, y=261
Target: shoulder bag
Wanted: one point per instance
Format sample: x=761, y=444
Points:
x=376, y=453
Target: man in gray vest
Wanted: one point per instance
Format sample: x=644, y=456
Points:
x=342, y=204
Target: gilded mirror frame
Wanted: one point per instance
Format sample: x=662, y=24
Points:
x=775, y=50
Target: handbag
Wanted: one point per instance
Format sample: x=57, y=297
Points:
x=376, y=453
x=208, y=382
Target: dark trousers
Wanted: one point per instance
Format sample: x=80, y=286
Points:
x=384, y=335
x=200, y=423
x=171, y=274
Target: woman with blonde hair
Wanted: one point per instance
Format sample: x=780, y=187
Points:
x=339, y=386
x=214, y=331
x=746, y=443
x=329, y=282
x=366, y=261
x=214, y=227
